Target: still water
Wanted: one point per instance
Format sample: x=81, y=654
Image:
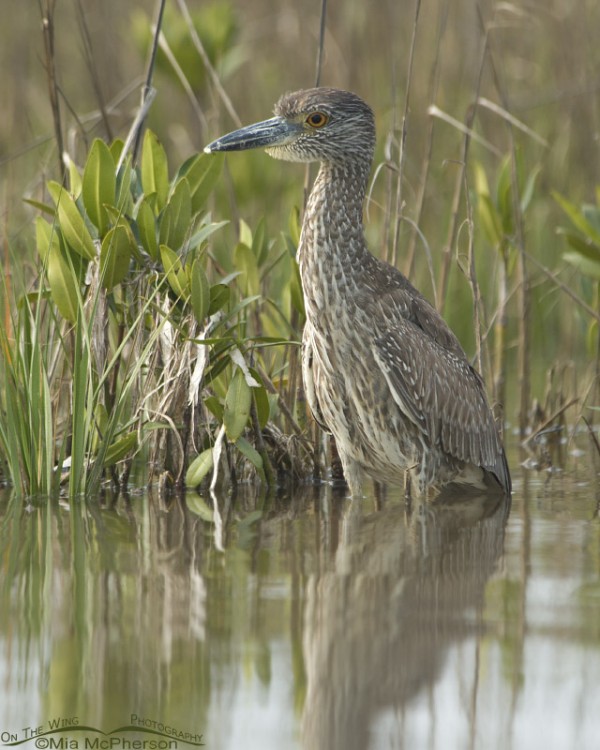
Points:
x=304, y=621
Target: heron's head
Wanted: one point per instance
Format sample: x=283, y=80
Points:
x=321, y=124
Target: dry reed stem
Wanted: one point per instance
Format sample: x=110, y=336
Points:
x=148, y=90
x=88, y=54
x=523, y=298
x=47, y=13
x=189, y=91
x=321, y=48
x=460, y=181
x=403, y=135
x=216, y=81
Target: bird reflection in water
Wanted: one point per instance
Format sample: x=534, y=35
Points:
x=398, y=589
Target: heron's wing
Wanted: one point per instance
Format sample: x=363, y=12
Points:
x=308, y=376
x=437, y=389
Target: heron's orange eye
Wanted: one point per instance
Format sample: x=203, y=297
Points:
x=317, y=119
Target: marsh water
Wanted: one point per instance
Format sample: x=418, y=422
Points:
x=304, y=620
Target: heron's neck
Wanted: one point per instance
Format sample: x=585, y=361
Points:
x=332, y=240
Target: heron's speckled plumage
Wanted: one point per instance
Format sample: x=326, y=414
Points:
x=382, y=370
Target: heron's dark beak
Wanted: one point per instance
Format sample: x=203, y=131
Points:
x=274, y=132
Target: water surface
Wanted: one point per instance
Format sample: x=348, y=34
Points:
x=305, y=621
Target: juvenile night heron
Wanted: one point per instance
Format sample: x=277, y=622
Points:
x=382, y=371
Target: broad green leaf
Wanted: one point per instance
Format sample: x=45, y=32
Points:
x=199, y=507
x=205, y=232
x=120, y=449
x=577, y=218
x=295, y=226
x=99, y=184
x=72, y=223
x=248, y=450
x=202, y=172
x=115, y=256
x=296, y=291
x=482, y=186
x=237, y=406
x=200, y=291
x=504, y=195
x=124, y=199
x=591, y=214
x=582, y=245
x=174, y=222
x=155, y=170
x=219, y=297
x=490, y=220
x=62, y=280
x=146, y=223
x=214, y=406
x=43, y=207
x=527, y=193
x=199, y=468
x=245, y=261
x=586, y=266
x=45, y=236
x=261, y=399
x=245, y=234
x=116, y=149
x=74, y=178
x=260, y=244
x=176, y=276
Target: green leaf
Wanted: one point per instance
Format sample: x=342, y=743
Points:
x=237, y=406
x=174, y=222
x=245, y=261
x=43, y=207
x=219, y=297
x=101, y=420
x=155, y=170
x=504, y=195
x=586, y=266
x=146, y=223
x=45, y=235
x=124, y=199
x=120, y=448
x=74, y=179
x=64, y=287
x=72, y=223
x=261, y=399
x=214, y=406
x=199, y=507
x=490, y=220
x=202, y=172
x=592, y=215
x=260, y=244
x=527, y=193
x=245, y=234
x=116, y=149
x=176, y=276
x=295, y=226
x=99, y=184
x=250, y=452
x=205, y=232
x=578, y=219
x=200, y=291
x=115, y=256
x=296, y=291
x=199, y=468
x=581, y=245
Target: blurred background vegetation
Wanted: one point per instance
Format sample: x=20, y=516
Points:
x=491, y=222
